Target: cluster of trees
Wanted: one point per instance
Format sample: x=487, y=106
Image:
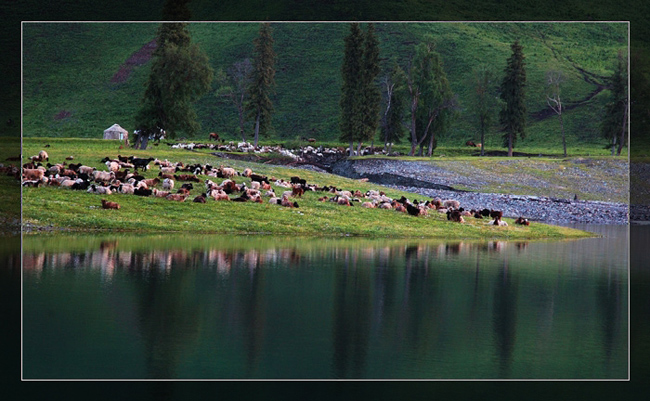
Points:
x=416, y=99
x=181, y=75
x=421, y=99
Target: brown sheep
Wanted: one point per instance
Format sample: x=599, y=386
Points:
x=109, y=205
x=297, y=190
x=33, y=174
x=177, y=197
x=152, y=182
x=160, y=194
x=522, y=221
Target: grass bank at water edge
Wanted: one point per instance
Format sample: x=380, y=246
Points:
x=57, y=208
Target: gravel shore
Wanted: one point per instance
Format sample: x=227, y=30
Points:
x=535, y=207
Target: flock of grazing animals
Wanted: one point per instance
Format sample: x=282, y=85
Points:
x=121, y=177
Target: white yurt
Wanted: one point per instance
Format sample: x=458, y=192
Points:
x=116, y=132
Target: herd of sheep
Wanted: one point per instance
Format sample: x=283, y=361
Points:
x=223, y=184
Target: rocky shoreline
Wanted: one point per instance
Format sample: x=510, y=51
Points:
x=431, y=181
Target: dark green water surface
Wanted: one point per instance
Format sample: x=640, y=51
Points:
x=215, y=307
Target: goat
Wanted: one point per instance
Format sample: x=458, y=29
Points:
x=143, y=164
x=199, y=198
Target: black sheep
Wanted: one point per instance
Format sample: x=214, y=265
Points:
x=259, y=178
x=412, y=210
x=141, y=163
x=142, y=192
x=81, y=185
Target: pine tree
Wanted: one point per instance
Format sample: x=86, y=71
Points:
x=180, y=75
x=614, y=126
x=351, y=101
x=513, y=114
x=259, y=104
x=484, y=101
x=370, y=92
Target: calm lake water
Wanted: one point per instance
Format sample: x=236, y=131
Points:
x=215, y=307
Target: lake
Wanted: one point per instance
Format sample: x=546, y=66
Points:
x=190, y=306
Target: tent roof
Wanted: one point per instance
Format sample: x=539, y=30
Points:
x=115, y=127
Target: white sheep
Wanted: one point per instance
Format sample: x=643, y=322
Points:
x=168, y=184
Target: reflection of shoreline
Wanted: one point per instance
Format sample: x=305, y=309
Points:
x=108, y=257
x=441, y=310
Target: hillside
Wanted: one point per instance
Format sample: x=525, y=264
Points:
x=81, y=78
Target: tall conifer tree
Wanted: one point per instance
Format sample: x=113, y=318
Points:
x=180, y=75
x=351, y=100
x=370, y=92
x=513, y=91
x=614, y=126
x=259, y=105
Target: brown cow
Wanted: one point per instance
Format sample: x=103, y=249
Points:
x=214, y=136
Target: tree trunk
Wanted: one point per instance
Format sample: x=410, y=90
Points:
x=414, y=138
x=563, y=136
x=482, y=137
x=622, y=140
x=430, y=151
x=144, y=142
x=510, y=144
x=257, y=129
x=351, y=148
x=241, y=122
x=359, y=149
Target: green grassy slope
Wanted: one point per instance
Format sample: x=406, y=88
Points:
x=68, y=70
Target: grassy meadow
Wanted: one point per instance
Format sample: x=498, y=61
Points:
x=58, y=209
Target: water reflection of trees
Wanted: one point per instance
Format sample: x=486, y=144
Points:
x=418, y=300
